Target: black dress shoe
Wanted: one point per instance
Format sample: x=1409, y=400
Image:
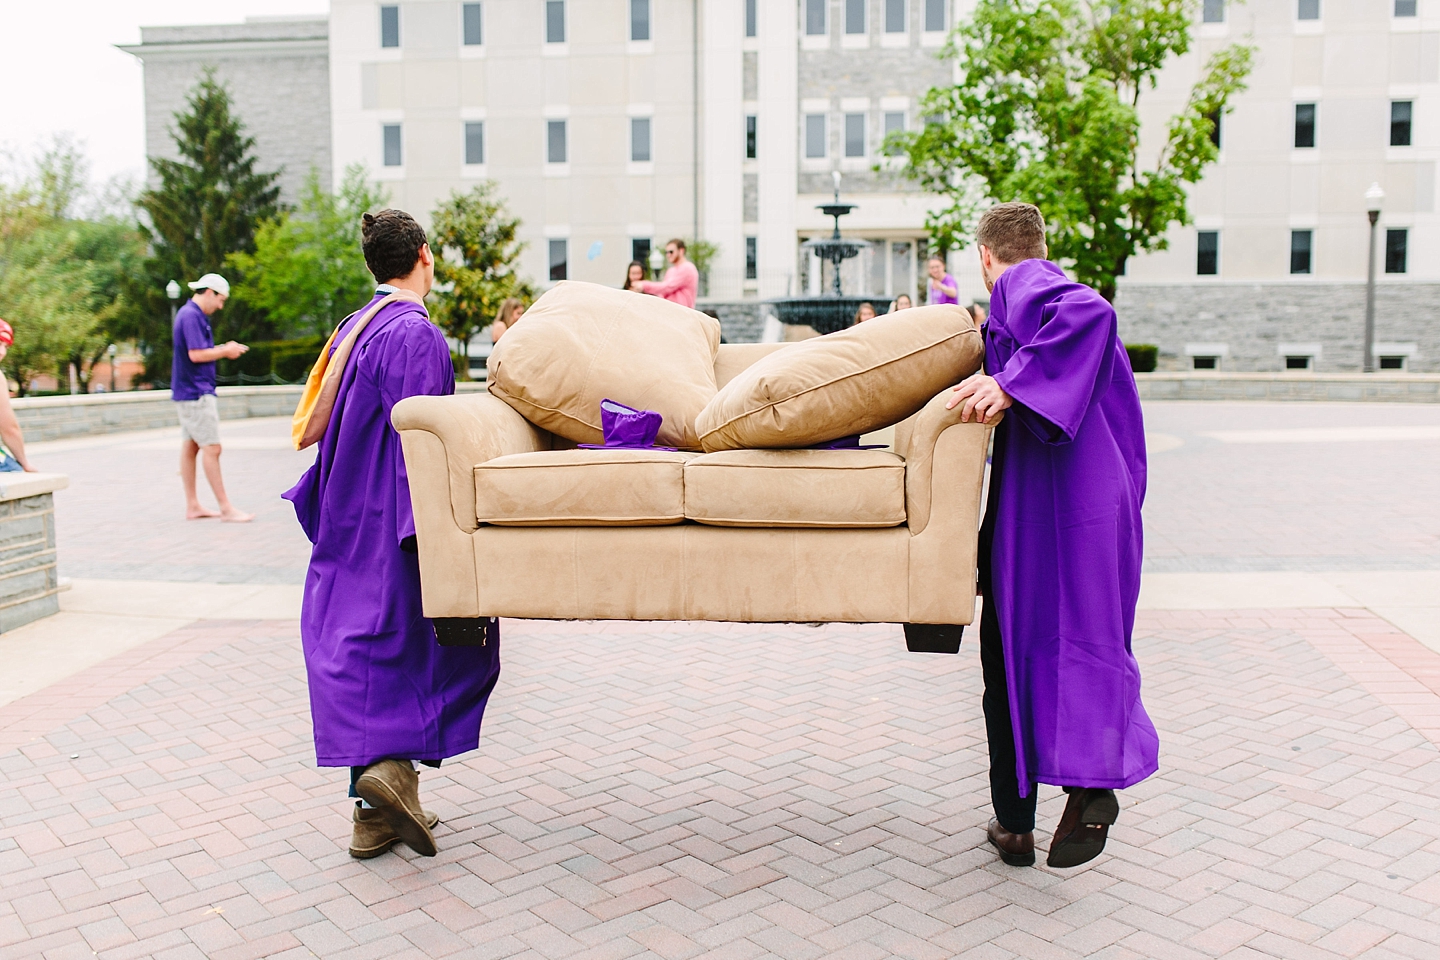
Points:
x=1083, y=827
x=1016, y=849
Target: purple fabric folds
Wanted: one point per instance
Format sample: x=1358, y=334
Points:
x=627, y=428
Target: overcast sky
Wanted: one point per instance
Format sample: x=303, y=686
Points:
x=61, y=71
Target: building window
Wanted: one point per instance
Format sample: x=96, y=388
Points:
x=1308, y=10
x=475, y=142
x=389, y=26
x=640, y=251
x=854, y=134
x=1213, y=11
x=752, y=259
x=1401, y=112
x=1397, y=243
x=1404, y=8
x=1304, y=125
x=751, y=122
x=854, y=16
x=470, y=25
x=1205, y=363
x=554, y=21
x=814, y=136
x=894, y=16
x=934, y=16
x=1214, y=117
x=639, y=19
x=894, y=123
x=1207, y=253
x=1392, y=363
x=640, y=139
x=555, y=147
x=751, y=16
x=1300, y=246
x=1297, y=361
x=559, y=259
x=815, y=18
x=391, y=135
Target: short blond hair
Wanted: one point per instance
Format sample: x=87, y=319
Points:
x=1013, y=231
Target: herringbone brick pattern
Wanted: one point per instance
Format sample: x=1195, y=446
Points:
x=723, y=791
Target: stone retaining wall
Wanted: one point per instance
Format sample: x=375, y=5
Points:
x=1399, y=388
x=29, y=586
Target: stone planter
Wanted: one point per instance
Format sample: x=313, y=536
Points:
x=29, y=586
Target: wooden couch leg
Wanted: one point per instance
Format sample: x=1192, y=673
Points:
x=933, y=637
x=464, y=631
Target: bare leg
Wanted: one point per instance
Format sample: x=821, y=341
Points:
x=211, y=457
x=193, y=509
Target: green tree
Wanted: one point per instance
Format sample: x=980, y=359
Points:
x=1046, y=109
x=59, y=274
x=206, y=205
x=473, y=237
x=307, y=272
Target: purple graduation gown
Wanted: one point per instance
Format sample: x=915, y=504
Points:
x=1066, y=538
x=380, y=685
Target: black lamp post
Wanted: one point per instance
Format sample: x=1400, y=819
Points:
x=1373, y=197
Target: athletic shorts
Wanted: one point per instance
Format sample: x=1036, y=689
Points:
x=199, y=420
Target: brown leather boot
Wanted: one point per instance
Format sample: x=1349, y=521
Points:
x=1016, y=849
x=372, y=834
x=393, y=788
x=1084, y=826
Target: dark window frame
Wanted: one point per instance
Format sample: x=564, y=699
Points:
x=856, y=17
x=392, y=143
x=555, y=31
x=1299, y=361
x=640, y=251
x=390, y=26
x=824, y=135
x=1307, y=119
x=474, y=137
x=851, y=120
x=752, y=258
x=1207, y=253
x=637, y=126
x=935, y=16
x=752, y=136
x=1307, y=9
x=1205, y=362
x=752, y=17
x=896, y=16
x=1397, y=250
x=472, y=25
x=1302, y=251
x=1212, y=11
x=1402, y=123
x=1406, y=8
x=559, y=268
x=640, y=24
x=563, y=126
x=817, y=18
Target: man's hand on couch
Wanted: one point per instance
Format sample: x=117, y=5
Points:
x=982, y=396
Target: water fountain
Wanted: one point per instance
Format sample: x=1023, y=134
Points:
x=832, y=310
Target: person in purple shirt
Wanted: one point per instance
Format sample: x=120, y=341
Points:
x=1060, y=547
x=192, y=387
x=942, y=287
x=385, y=696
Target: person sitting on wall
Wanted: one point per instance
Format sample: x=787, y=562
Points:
x=12, y=453
x=682, y=280
x=385, y=696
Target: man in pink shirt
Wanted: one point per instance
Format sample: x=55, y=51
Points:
x=682, y=280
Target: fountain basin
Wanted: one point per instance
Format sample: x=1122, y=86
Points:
x=825, y=314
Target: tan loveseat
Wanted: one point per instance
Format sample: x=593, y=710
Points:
x=512, y=521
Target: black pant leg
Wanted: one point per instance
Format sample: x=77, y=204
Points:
x=1015, y=813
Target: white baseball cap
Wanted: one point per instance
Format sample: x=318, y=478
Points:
x=212, y=281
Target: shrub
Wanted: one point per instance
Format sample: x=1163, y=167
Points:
x=1143, y=356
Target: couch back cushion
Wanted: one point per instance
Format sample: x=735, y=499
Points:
x=870, y=376
x=582, y=343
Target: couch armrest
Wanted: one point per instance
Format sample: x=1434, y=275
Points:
x=930, y=473
x=472, y=428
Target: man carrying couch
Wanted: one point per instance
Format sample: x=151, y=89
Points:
x=385, y=697
x=1060, y=547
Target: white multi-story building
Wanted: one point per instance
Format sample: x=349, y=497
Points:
x=612, y=125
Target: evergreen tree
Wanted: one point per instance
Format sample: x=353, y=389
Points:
x=206, y=205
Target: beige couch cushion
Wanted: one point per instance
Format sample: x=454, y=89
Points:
x=584, y=488
x=582, y=343
x=869, y=376
x=796, y=488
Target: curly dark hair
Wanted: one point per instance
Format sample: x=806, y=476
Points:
x=391, y=240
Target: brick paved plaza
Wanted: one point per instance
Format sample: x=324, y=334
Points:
x=715, y=790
